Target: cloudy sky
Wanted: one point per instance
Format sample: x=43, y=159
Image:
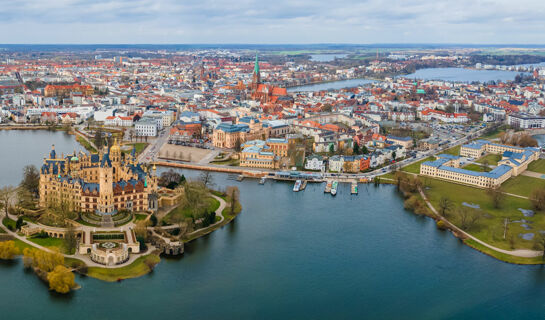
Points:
x=272, y=21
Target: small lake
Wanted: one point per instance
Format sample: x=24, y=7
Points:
x=540, y=138
x=333, y=85
x=327, y=57
x=461, y=75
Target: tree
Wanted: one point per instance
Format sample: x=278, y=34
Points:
x=468, y=217
x=98, y=139
x=234, y=194
x=8, y=250
x=6, y=196
x=331, y=149
x=445, y=205
x=207, y=179
x=70, y=239
x=496, y=195
x=486, y=166
x=61, y=279
x=538, y=199
x=31, y=179
x=19, y=223
x=393, y=155
x=238, y=145
x=356, y=149
x=150, y=262
x=364, y=150
x=25, y=198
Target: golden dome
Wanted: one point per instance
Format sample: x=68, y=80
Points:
x=115, y=147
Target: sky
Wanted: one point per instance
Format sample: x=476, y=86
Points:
x=272, y=21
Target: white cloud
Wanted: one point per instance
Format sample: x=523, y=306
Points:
x=280, y=21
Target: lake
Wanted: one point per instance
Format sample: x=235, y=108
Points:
x=462, y=75
x=327, y=57
x=333, y=85
x=292, y=256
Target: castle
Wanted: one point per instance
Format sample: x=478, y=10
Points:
x=102, y=183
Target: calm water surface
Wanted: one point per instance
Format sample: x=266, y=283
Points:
x=462, y=75
x=334, y=85
x=299, y=255
x=327, y=57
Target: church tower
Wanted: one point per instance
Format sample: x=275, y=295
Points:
x=256, y=76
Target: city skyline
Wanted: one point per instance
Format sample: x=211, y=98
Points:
x=285, y=22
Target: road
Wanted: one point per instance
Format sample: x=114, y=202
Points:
x=152, y=150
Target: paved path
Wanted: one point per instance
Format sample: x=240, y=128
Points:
x=533, y=174
x=524, y=253
x=209, y=157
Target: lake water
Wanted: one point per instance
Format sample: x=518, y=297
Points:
x=540, y=138
x=462, y=75
x=303, y=255
x=334, y=85
x=327, y=57
x=19, y=148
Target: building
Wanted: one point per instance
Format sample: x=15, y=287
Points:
x=406, y=142
x=315, y=162
x=226, y=135
x=119, y=121
x=146, y=128
x=65, y=90
x=278, y=146
x=526, y=121
x=257, y=154
x=102, y=183
x=430, y=114
x=514, y=161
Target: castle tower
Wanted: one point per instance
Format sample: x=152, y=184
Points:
x=106, y=199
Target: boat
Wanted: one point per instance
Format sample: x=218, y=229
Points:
x=328, y=187
x=240, y=178
x=354, y=188
x=334, y=188
x=304, y=185
x=297, y=186
x=262, y=180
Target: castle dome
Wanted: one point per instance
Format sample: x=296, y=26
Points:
x=115, y=147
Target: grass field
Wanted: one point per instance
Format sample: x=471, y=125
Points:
x=136, y=269
x=50, y=243
x=537, y=166
x=502, y=256
x=490, y=228
x=523, y=185
x=415, y=167
x=474, y=167
x=138, y=146
x=455, y=151
x=213, y=205
x=86, y=144
x=491, y=158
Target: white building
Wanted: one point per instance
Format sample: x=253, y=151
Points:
x=315, y=162
x=525, y=121
x=146, y=128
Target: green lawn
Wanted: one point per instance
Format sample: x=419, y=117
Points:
x=138, y=146
x=494, y=134
x=136, y=269
x=415, y=167
x=9, y=223
x=490, y=227
x=523, y=185
x=455, y=151
x=491, y=158
x=474, y=167
x=50, y=243
x=228, y=162
x=502, y=256
x=86, y=144
x=537, y=166
x=138, y=217
x=212, y=205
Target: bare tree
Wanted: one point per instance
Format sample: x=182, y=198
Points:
x=207, y=179
x=234, y=194
x=6, y=196
x=496, y=195
x=445, y=205
x=468, y=217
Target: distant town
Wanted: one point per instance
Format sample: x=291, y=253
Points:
x=458, y=131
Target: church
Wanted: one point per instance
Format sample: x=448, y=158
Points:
x=102, y=183
x=265, y=93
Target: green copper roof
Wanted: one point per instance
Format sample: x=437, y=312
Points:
x=256, y=65
x=420, y=91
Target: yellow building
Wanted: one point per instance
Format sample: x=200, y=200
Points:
x=514, y=161
x=226, y=135
x=257, y=154
x=103, y=183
